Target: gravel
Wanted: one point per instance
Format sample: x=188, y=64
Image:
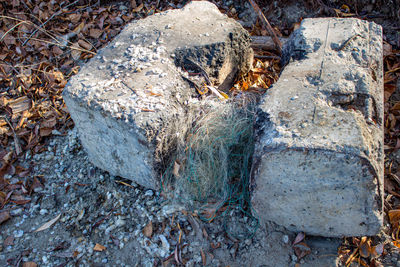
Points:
x=97, y=208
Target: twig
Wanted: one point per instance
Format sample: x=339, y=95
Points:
x=44, y=23
x=15, y=26
x=264, y=42
x=18, y=149
x=267, y=26
x=71, y=47
x=346, y=43
x=266, y=57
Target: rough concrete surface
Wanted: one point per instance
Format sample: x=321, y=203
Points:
x=137, y=86
x=318, y=162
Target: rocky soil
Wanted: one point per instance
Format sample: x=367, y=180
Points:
x=96, y=208
x=94, y=219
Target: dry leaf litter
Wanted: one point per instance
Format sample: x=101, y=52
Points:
x=58, y=210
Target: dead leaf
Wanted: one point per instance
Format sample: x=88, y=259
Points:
x=99, y=247
x=396, y=243
x=79, y=27
x=4, y=216
x=300, y=236
x=75, y=17
x=29, y=264
x=48, y=224
x=394, y=216
x=21, y=201
x=177, y=254
x=345, y=8
x=377, y=250
x=176, y=169
x=245, y=86
x=301, y=250
x=85, y=44
x=45, y=131
x=215, y=246
x=203, y=257
x=95, y=33
x=148, y=229
x=61, y=246
x=20, y=104
x=387, y=49
x=365, y=247
x=138, y=9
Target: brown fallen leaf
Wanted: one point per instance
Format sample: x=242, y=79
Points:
x=365, y=247
x=85, y=44
x=148, y=229
x=29, y=264
x=45, y=131
x=99, y=247
x=95, y=33
x=138, y=9
x=75, y=51
x=203, y=257
x=4, y=216
x=377, y=250
x=79, y=28
x=301, y=250
x=300, y=236
x=48, y=224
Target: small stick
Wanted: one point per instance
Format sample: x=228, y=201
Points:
x=44, y=23
x=266, y=57
x=267, y=26
x=18, y=149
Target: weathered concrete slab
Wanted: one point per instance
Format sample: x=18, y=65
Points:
x=132, y=90
x=318, y=163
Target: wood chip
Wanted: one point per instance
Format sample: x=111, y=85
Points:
x=148, y=229
x=29, y=264
x=4, y=216
x=20, y=104
x=99, y=247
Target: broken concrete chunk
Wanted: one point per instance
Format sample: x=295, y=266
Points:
x=318, y=162
x=136, y=88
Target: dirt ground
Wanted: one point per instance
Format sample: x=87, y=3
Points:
x=94, y=219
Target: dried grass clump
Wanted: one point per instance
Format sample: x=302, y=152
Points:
x=212, y=164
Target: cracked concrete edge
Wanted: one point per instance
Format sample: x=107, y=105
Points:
x=298, y=113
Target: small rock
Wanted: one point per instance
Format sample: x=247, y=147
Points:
x=120, y=222
x=122, y=8
x=56, y=132
x=164, y=242
x=49, y=156
x=18, y=233
x=285, y=239
x=43, y=211
x=149, y=193
x=16, y=212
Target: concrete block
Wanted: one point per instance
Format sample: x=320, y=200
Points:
x=125, y=97
x=318, y=162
